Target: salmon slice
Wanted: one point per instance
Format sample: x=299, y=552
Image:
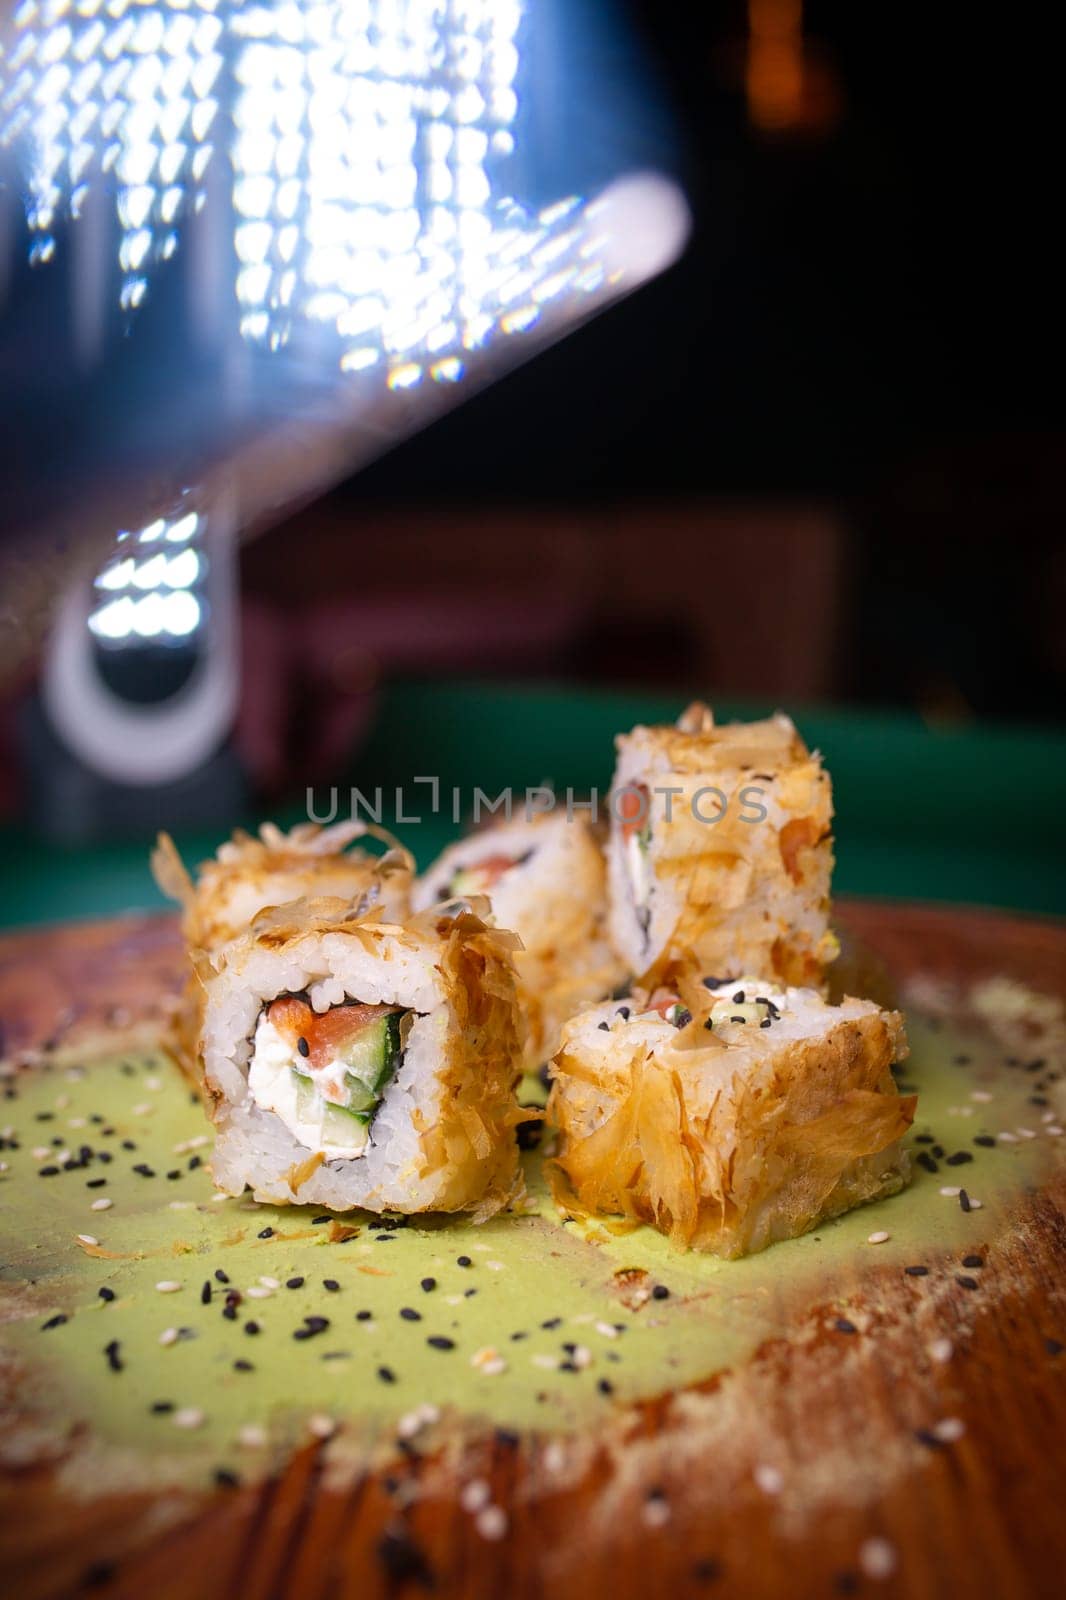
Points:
x=327, y=1033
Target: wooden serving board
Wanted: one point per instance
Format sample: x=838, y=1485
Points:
x=675, y=1496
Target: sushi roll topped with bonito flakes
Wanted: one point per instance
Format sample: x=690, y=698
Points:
x=246, y=875
x=721, y=851
x=546, y=880
x=728, y=1115
x=346, y=1061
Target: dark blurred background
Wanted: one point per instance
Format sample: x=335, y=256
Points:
x=822, y=457
x=818, y=461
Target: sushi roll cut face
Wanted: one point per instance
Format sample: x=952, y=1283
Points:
x=247, y=875
x=546, y=881
x=720, y=853
x=346, y=1062
x=729, y=1116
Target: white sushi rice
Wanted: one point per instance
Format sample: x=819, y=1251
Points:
x=254, y=1146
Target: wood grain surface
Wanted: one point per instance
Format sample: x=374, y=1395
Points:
x=668, y=1500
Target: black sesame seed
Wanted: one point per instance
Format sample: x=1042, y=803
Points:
x=205, y=1293
x=177, y=1173
x=964, y=1200
x=363, y=1316
x=97, y=1574
x=660, y=1292
x=709, y=1024
x=605, y=1386
x=917, y=1272
x=924, y=1138
x=962, y=1061
x=220, y=1276
x=705, y=1570
x=96, y=1183
x=605, y=1027
x=243, y=1366
x=386, y=1375
x=55, y=1322
x=128, y=1144
x=973, y=1261
x=985, y=1140
x=331, y=1284
x=930, y=1440
x=714, y=983
x=48, y=1172
x=965, y=1282
x=765, y=1023
x=161, y=1407
x=144, y=1170
x=429, y=1284
x=440, y=1341
x=251, y=1328
x=738, y=1019
x=623, y=1012
x=463, y=1261
x=303, y=1046
x=938, y=1151
x=567, y=1366
x=1054, y=1347
x=114, y=1360
x=317, y=1221
x=294, y=1283
x=105, y=1293
x=842, y=1325
x=683, y=1018
x=402, y=1559
x=409, y=1314
x=552, y=1322
x=194, y=1162
x=959, y=1158
x=225, y=1478
x=266, y=1233
x=520, y=1334
x=229, y=1312
x=925, y=1160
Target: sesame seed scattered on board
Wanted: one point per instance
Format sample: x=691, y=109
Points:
x=188, y=1417
x=491, y=1523
x=880, y=1237
x=102, y=1205
x=877, y=1558
x=168, y=1286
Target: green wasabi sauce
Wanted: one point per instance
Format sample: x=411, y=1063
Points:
x=532, y=1327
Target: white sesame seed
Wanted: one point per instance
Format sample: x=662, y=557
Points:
x=1054, y=1130
x=541, y=1359
x=1007, y=1138
x=476, y=1494
x=252, y=1436
x=62, y=1102
x=941, y=1350
x=168, y=1286
x=949, y=1429
x=103, y=1204
x=76, y=1122
x=877, y=1558
x=951, y=1191
x=608, y=1330
x=1025, y=1133
x=495, y=1266
x=143, y=1109
x=186, y=1145
x=256, y=1291
x=769, y=1479
x=491, y=1523
x=981, y=1096
x=975, y=1205
x=87, y=1238
x=270, y=1283
x=168, y=1336
x=182, y=1205
x=187, y=1417
x=880, y=1237
x=321, y=1426
x=153, y=1083
x=40, y=1151
x=219, y=1199
x=655, y=1512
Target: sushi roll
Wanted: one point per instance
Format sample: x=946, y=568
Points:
x=350, y=1062
x=248, y=874
x=720, y=852
x=546, y=880
x=729, y=1115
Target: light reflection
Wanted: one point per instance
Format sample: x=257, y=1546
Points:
x=157, y=595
